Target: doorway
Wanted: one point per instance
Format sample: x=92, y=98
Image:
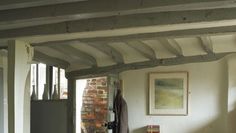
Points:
x=92, y=105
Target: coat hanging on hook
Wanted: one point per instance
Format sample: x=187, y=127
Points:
x=121, y=113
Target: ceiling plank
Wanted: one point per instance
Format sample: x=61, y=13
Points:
x=147, y=64
x=103, y=8
x=110, y=51
x=172, y=46
x=71, y=51
x=14, y=4
x=206, y=44
x=143, y=49
x=128, y=24
x=41, y=57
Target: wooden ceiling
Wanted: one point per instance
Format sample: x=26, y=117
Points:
x=91, y=57
x=103, y=36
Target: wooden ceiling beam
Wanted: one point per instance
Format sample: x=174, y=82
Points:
x=143, y=49
x=51, y=13
x=146, y=64
x=172, y=46
x=14, y=4
x=82, y=57
x=128, y=24
x=110, y=51
x=226, y=30
x=41, y=57
x=206, y=44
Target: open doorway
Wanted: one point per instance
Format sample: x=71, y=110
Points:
x=91, y=105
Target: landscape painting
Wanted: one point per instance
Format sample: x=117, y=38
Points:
x=168, y=93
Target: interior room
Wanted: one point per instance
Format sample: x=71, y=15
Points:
x=117, y=66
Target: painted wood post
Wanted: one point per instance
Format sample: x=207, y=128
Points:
x=18, y=87
x=71, y=105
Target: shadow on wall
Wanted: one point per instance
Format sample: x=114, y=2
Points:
x=219, y=124
x=140, y=130
x=213, y=127
x=232, y=120
x=224, y=123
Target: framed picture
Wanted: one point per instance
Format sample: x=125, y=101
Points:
x=168, y=93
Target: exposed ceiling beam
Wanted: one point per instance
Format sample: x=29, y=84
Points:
x=102, y=8
x=14, y=4
x=56, y=43
x=168, y=34
x=110, y=51
x=206, y=44
x=147, y=64
x=40, y=57
x=172, y=46
x=82, y=57
x=127, y=25
x=143, y=49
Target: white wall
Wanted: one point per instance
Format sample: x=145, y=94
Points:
x=232, y=93
x=3, y=93
x=208, y=87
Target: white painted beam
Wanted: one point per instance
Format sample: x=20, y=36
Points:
x=14, y=4
x=110, y=51
x=172, y=46
x=101, y=8
x=147, y=64
x=206, y=44
x=18, y=88
x=127, y=25
x=143, y=49
x=40, y=57
x=167, y=34
x=82, y=57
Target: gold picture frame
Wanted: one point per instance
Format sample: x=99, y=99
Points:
x=168, y=93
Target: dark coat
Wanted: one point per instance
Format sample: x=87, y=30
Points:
x=121, y=114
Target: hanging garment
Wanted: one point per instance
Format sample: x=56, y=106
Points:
x=121, y=114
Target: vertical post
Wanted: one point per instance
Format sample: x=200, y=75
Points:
x=37, y=80
x=111, y=79
x=5, y=79
x=11, y=92
x=71, y=105
x=1, y=102
x=59, y=82
x=50, y=82
x=18, y=87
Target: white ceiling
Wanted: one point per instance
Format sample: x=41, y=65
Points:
x=190, y=46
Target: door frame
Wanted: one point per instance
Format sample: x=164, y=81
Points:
x=71, y=122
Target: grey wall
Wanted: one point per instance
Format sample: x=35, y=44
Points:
x=1, y=102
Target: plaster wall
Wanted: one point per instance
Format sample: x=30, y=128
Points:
x=232, y=93
x=3, y=95
x=208, y=96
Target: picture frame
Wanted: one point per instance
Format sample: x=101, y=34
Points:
x=168, y=93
